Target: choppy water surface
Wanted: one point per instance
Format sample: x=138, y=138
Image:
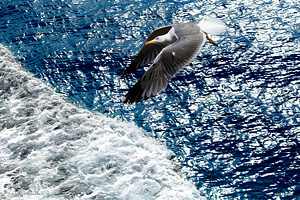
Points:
x=232, y=117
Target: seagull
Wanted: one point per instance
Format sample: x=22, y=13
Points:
x=170, y=48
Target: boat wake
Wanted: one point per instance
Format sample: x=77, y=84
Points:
x=52, y=149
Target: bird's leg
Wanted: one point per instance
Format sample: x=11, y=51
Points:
x=210, y=40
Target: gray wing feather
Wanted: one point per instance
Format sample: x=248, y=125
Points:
x=168, y=63
x=148, y=52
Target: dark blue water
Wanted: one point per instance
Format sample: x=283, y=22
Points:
x=232, y=117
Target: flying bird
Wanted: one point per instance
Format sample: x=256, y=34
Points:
x=170, y=48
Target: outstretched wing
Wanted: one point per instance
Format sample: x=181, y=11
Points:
x=148, y=52
x=168, y=63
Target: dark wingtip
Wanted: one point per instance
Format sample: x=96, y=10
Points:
x=133, y=98
x=130, y=101
x=125, y=73
x=135, y=94
x=131, y=68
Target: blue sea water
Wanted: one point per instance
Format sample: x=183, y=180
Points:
x=231, y=118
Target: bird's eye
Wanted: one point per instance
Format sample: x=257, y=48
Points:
x=157, y=38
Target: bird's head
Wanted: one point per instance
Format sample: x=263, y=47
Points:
x=156, y=40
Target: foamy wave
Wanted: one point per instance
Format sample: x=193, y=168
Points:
x=52, y=149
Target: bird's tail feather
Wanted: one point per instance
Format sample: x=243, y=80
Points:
x=212, y=26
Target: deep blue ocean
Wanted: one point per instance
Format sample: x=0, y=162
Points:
x=231, y=118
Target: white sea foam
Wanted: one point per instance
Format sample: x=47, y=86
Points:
x=51, y=149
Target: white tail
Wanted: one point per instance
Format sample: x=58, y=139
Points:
x=212, y=26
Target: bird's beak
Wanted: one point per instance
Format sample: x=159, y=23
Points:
x=150, y=42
